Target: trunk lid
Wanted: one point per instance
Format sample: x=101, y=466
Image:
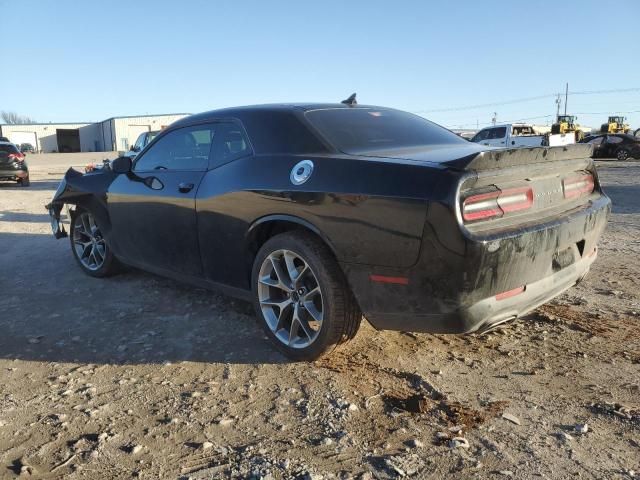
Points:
x=477, y=157
x=506, y=188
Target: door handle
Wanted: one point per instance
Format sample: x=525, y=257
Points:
x=185, y=187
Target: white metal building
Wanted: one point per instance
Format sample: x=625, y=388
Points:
x=112, y=134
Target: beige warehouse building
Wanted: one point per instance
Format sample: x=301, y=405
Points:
x=112, y=134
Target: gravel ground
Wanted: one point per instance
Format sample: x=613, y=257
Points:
x=140, y=376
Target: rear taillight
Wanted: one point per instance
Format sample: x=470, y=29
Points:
x=16, y=157
x=578, y=185
x=484, y=206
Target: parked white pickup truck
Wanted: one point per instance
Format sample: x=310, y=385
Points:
x=514, y=135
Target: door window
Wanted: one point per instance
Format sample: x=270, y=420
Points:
x=182, y=149
x=139, y=142
x=596, y=141
x=229, y=144
x=481, y=135
x=614, y=140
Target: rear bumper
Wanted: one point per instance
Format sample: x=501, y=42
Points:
x=488, y=312
x=454, y=290
x=13, y=174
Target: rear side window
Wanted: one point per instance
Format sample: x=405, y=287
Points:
x=280, y=132
x=497, y=133
x=362, y=130
x=523, y=130
x=229, y=143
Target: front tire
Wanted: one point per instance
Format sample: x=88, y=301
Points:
x=24, y=182
x=89, y=247
x=301, y=296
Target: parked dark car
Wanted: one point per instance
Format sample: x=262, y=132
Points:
x=12, y=164
x=614, y=145
x=4, y=139
x=321, y=213
x=27, y=148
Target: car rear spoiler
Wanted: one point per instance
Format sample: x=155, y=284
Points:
x=493, y=159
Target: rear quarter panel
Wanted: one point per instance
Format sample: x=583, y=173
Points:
x=368, y=212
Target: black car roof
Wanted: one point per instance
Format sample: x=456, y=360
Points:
x=621, y=135
x=239, y=112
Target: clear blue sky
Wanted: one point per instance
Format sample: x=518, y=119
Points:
x=70, y=60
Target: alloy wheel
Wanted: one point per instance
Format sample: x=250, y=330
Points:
x=290, y=298
x=88, y=243
x=622, y=155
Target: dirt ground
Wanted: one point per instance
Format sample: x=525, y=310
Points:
x=140, y=376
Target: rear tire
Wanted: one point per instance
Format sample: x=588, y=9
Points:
x=24, y=182
x=89, y=248
x=622, y=155
x=301, y=296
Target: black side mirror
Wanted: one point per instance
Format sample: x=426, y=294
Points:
x=121, y=165
x=132, y=148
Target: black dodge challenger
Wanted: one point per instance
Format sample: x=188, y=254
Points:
x=323, y=213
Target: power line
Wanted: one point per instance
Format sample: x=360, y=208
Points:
x=518, y=120
x=606, y=113
x=486, y=105
x=598, y=92
x=528, y=99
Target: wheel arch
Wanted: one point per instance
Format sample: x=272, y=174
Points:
x=268, y=226
x=91, y=203
x=84, y=191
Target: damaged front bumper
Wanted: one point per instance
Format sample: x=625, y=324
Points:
x=55, y=208
x=76, y=188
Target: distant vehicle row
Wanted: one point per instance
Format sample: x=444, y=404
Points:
x=619, y=145
x=512, y=135
x=622, y=146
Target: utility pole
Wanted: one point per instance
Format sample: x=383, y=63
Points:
x=495, y=118
x=566, y=97
x=558, y=103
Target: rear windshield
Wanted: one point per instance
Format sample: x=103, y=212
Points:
x=362, y=130
x=8, y=149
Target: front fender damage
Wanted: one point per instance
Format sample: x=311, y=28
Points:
x=88, y=191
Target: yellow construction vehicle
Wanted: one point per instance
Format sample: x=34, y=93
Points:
x=567, y=124
x=615, y=125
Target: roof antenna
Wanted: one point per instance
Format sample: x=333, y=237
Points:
x=351, y=101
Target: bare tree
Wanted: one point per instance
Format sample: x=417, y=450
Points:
x=13, y=118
